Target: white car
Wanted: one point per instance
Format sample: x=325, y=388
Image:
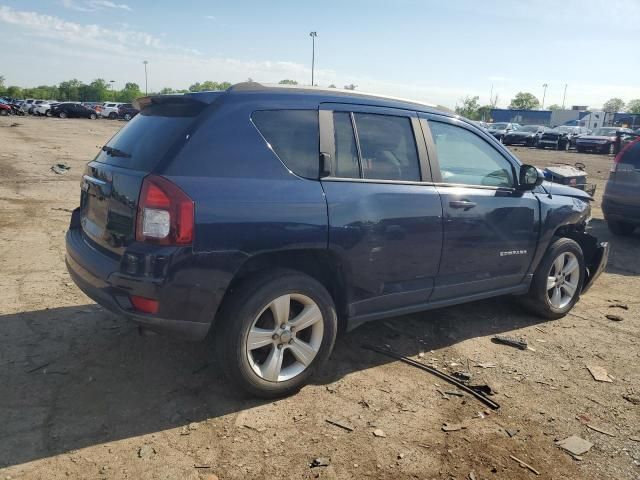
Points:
x=44, y=108
x=110, y=110
x=27, y=104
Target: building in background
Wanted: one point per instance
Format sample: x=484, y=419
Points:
x=576, y=116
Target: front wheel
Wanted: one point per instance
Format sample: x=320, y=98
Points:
x=113, y=116
x=127, y=116
x=558, y=280
x=93, y=116
x=62, y=114
x=48, y=113
x=275, y=332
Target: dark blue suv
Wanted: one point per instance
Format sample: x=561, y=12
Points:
x=271, y=218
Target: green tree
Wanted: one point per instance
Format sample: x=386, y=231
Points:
x=484, y=113
x=613, y=105
x=554, y=107
x=70, y=90
x=129, y=93
x=2, y=89
x=469, y=108
x=287, y=82
x=632, y=107
x=524, y=101
x=167, y=90
x=98, y=91
x=14, y=91
x=351, y=86
x=332, y=86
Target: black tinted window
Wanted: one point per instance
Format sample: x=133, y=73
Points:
x=387, y=147
x=346, y=162
x=631, y=155
x=146, y=139
x=294, y=137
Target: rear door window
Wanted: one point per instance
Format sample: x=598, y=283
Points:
x=294, y=137
x=387, y=147
x=631, y=155
x=143, y=142
x=346, y=163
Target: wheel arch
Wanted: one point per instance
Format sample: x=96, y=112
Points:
x=321, y=265
x=588, y=243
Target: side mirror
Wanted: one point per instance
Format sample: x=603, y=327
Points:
x=530, y=177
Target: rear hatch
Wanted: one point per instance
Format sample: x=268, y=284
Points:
x=624, y=185
x=112, y=181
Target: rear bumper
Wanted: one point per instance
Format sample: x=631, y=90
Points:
x=99, y=277
x=593, y=147
x=620, y=212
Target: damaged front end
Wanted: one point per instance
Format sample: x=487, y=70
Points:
x=596, y=255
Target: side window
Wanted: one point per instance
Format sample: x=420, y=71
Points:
x=631, y=155
x=387, y=147
x=294, y=136
x=467, y=159
x=346, y=161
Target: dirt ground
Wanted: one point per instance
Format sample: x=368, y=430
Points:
x=83, y=396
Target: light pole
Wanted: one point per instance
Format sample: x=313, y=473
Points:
x=313, y=36
x=146, y=84
x=564, y=97
x=113, y=95
x=544, y=94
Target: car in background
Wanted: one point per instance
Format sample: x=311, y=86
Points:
x=73, y=110
x=481, y=124
x=526, y=135
x=621, y=202
x=44, y=108
x=560, y=138
x=317, y=207
x=110, y=110
x=97, y=106
x=26, y=105
x=32, y=108
x=500, y=129
x=5, y=109
x=127, y=111
x=602, y=140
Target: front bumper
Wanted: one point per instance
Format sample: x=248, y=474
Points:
x=186, y=311
x=597, y=264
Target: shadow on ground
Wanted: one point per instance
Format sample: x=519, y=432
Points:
x=623, y=258
x=79, y=376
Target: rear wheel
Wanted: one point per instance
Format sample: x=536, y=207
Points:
x=127, y=116
x=275, y=332
x=48, y=113
x=558, y=280
x=113, y=116
x=4, y=112
x=93, y=116
x=62, y=114
x=620, y=228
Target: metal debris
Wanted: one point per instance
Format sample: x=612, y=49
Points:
x=60, y=168
x=344, y=426
x=452, y=427
x=525, y=465
x=604, y=432
x=520, y=343
x=615, y=318
x=320, y=462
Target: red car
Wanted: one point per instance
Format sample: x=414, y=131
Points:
x=5, y=109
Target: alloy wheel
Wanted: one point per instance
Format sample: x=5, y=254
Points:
x=562, y=281
x=284, y=338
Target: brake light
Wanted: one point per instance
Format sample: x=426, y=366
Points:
x=618, y=159
x=165, y=213
x=142, y=304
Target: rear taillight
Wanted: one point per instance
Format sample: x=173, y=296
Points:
x=165, y=213
x=146, y=305
x=618, y=159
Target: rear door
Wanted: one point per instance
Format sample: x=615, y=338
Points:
x=624, y=187
x=490, y=228
x=385, y=217
x=112, y=181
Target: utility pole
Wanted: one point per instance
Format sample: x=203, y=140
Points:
x=313, y=36
x=544, y=94
x=146, y=83
x=565, y=95
x=491, y=96
x=113, y=93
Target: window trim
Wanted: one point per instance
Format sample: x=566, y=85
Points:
x=435, y=162
x=327, y=140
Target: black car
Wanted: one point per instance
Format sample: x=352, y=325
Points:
x=603, y=140
x=561, y=138
x=527, y=135
x=73, y=110
x=621, y=202
x=269, y=219
x=127, y=111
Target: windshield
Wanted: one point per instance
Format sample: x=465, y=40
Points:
x=529, y=128
x=498, y=126
x=565, y=129
x=604, y=132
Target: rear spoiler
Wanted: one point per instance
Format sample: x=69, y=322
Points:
x=200, y=98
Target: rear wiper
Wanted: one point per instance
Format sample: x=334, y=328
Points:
x=114, y=152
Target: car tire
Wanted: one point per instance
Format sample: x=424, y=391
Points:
x=251, y=306
x=48, y=113
x=620, y=228
x=93, y=116
x=4, y=112
x=558, y=280
x=579, y=150
x=127, y=116
x=63, y=115
x=113, y=116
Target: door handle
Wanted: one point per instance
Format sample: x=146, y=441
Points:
x=466, y=204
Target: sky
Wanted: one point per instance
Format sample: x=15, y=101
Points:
x=433, y=51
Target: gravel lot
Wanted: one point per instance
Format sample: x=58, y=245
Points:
x=83, y=396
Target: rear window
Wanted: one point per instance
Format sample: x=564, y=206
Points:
x=146, y=139
x=294, y=137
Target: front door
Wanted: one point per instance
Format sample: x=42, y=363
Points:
x=490, y=227
x=385, y=219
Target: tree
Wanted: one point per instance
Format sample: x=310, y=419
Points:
x=167, y=90
x=351, y=86
x=469, y=108
x=632, y=107
x=484, y=112
x=14, y=92
x=554, y=107
x=287, y=82
x=129, y=93
x=524, y=101
x=332, y=86
x=613, y=105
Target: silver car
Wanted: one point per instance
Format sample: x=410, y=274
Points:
x=621, y=202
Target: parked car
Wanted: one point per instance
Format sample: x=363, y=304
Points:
x=27, y=104
x=500, y=129
x=526, y=135
x=5, y=109
x=96, y=106
x=127, y=111
x=602, y=140
x=481, y=124
x=300, y=229
x=559, y=138
x=110, y=110
x=44, y=108
x=73, y=110
x=31, y=110
x=621, y=202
